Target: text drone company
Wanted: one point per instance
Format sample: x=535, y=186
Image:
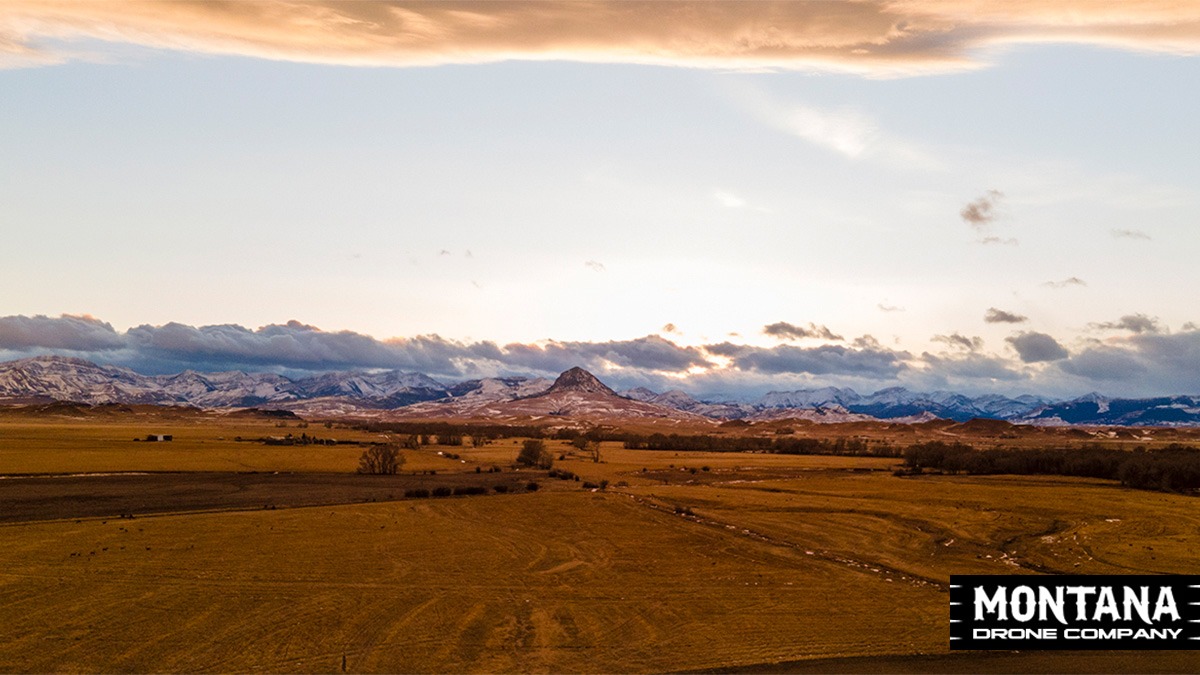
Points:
x=1074, y=612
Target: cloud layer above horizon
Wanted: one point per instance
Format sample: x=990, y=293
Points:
x=877, y=37
x=1141, y=363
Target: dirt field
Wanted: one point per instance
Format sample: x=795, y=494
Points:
x=112, y=496
x=761, y=562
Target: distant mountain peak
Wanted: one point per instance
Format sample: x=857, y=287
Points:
x=578, y=379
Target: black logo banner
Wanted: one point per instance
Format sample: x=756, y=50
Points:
x=1074, y=612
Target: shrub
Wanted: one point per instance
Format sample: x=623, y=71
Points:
x=532, y=486
x=417, y=493
x=500, y=489
x=589, y=485
x=442, y=492
x=534, y=453
x=470, y=490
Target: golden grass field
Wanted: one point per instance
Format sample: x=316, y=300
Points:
x=788, y=560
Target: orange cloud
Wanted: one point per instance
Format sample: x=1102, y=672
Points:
x=880, y=37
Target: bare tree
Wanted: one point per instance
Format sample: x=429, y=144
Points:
x=592, y=448
x=381, y=460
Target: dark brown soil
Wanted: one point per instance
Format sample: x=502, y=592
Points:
x=32, y=498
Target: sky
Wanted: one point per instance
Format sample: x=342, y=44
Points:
x=728, y=198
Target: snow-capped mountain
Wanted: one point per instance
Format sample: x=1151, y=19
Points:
x=809, y=398
x=681, y=401
x=898, y=402
x=499, y=388
x=476, y=397
x=639, y=394
x=67, y=379
x=388, y=389
x=1096, y=409
x=575, y=392
x=228, y=389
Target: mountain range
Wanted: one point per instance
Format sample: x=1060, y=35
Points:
x=575, y=393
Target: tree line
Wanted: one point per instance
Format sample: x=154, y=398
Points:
x=1175, y=468
x=778, y=445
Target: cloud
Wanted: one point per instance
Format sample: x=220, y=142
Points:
x=889, y=308
x=1136, y=323
x=651, y=353
x=1130, y=234
x=866, y=342
x=973, y=366
x=786, y=331
x=1065, y=283
x=296, y=346
x=1035, y=347
x=960, y=341
x=1148, y=361
x=994, y=315
x=822, y=360
x=292, y=346
x=876, y=37
x=594, y=266
x=1104, y=364
x=670, y=328
x=69, y=333
x=982, y=212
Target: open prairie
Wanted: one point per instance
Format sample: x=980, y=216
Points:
x=687, y=561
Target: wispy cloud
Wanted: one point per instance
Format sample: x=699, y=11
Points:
x=884, y=307
x=994, y=315
x=876, y=37
x=847, y=131
x=1130, y=234
x=1135, y=323
x=594, y=266
x=960, y=341
x=999, y=241
x=728, y=199
x=981, y=212
x=1065, y=283
x=786, y=331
